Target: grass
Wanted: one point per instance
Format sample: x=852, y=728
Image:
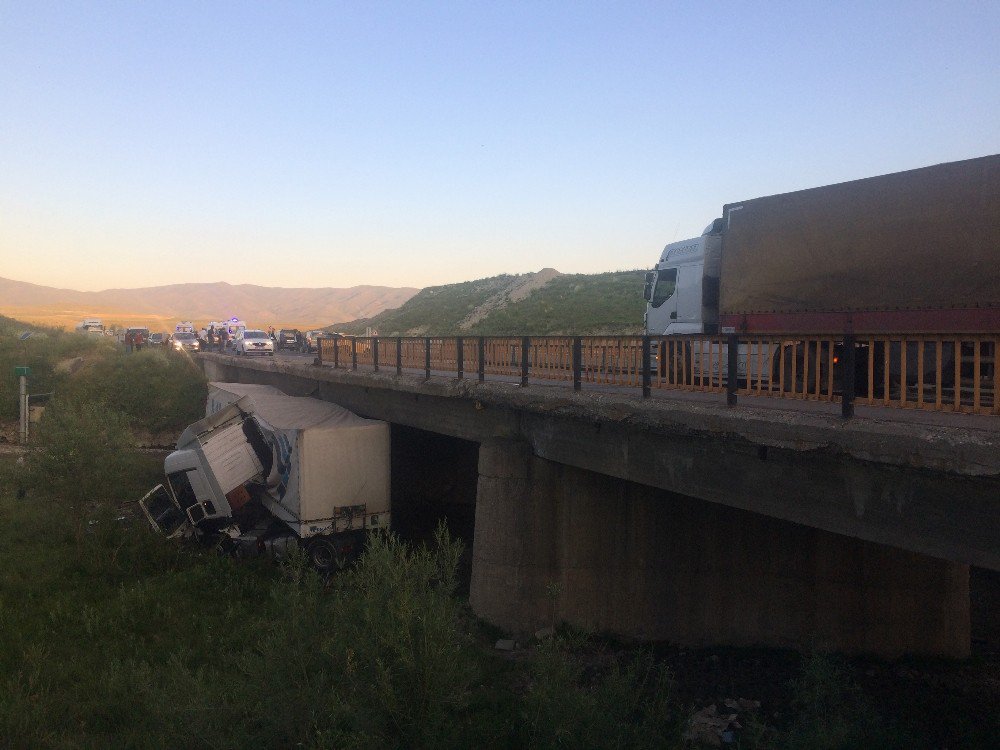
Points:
x=138, y=642
x=581, y=304
x=128, y=640
x=114, y=637
x=605, y=303
x=158, y=390
x=41, y=352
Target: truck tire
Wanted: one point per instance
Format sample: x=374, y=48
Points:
x=328, y=553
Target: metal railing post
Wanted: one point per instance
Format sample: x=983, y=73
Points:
x=354, y=353
x=647, y=385
x=336, y=353
x=847, y=377
x=319, y=350
x=460, y=356
x=482, y=358
x=525, y=346
x=399, y=355
x=427, y=358
x=732, y=367
x=577, y=362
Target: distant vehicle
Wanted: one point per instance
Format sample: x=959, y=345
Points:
x=233, y=327
x=310, y=339
x=158, y=339
x=186, y=341
x=253, y=341
x=91, y=325
x=185, y=327
x=287, y=338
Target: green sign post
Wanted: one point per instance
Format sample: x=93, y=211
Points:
x=22, y=372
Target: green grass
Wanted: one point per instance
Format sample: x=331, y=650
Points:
x=605, y=303
x=158, y=390
x=582, y=304
x=111, y=636
x=132, y=641
x=41, y=352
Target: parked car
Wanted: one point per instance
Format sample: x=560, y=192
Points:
x=253, y=341
x=287, y=338
x=310, y=339
x=186, y=342
x=158, y=339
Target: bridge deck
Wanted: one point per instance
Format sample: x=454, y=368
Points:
x=923, y=481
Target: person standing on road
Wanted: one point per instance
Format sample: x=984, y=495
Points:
x=138, y=341
x=223, y=338
x=129, y=341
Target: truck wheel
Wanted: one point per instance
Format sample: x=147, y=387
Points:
x=322, y=554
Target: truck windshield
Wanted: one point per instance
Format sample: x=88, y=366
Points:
x=182, y=489
x=666, y=280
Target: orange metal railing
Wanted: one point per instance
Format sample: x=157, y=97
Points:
x=954, y=373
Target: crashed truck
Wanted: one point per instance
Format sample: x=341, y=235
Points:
x=264, y=472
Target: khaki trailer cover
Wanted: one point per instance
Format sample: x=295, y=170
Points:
x=922, y=239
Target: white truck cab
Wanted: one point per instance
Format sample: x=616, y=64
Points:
x=682, y=292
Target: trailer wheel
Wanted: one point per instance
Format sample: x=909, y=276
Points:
x=323, y=554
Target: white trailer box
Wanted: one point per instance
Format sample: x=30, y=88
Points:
x=331, y=472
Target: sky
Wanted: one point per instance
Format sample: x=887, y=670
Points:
x=304, y=144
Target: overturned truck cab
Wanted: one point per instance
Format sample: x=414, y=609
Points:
x=264, y=471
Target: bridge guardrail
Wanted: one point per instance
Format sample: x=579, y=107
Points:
x=955, y=372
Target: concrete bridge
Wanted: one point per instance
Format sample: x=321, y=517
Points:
x=692, y=522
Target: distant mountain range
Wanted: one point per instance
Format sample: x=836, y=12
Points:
x=159, y=306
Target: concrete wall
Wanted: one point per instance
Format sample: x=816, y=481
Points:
x=555, y=543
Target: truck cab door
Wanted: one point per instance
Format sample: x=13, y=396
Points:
x=688, y=296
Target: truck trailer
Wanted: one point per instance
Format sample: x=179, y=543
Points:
x=266, y=471
x=907, y=254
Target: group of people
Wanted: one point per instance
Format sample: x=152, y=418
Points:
x=217, y=337
x=134, y=341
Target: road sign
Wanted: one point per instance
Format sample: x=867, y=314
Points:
x=22, y=370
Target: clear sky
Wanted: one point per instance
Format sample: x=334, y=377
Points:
x=420, y=143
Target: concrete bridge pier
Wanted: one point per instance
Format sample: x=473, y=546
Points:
x=554, y=543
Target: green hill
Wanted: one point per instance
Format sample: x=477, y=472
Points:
x=533, y=304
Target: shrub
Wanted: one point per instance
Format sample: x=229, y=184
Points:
x=408, y=665
x=618, y=702
x=158, y=390
x=85, y=456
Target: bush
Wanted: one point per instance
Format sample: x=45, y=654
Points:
x=613, y=702
x=831, y=712
x=85, y=457
x=42, y=352
x=408, y=668
x=158, y=390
